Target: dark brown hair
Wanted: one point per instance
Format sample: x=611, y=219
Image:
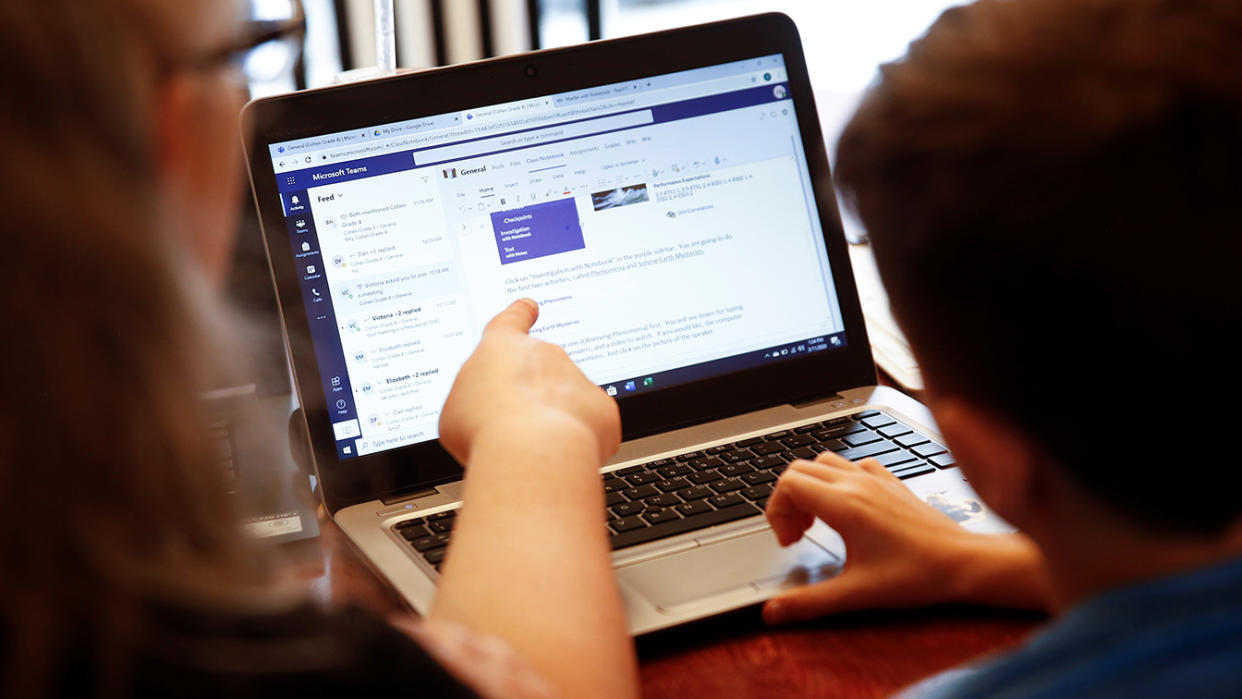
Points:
x=1052, y=189
x=109, y=493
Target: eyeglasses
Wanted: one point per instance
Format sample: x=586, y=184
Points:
x=268, y=45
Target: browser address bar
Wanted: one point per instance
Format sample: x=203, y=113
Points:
x=531, y=138
x=395, y=144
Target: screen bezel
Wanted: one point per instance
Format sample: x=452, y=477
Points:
x=392, y=99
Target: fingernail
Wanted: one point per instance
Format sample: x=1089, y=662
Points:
x=773, y=611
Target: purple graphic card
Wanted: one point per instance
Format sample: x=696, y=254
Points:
x=538, y=230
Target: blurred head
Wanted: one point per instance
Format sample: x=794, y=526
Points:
x=123, y=163
x=1051, y=189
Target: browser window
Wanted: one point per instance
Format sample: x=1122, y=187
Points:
x=665, y=226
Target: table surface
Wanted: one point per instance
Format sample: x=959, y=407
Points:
x=864, y=654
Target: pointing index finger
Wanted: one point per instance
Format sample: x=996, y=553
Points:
x=520, y=316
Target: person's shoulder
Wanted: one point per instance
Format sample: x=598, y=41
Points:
x=1180, y=635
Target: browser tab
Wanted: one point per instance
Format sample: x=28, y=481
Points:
x=373, y=136
x=530, y=107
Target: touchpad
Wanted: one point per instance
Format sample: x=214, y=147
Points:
x=753, y=565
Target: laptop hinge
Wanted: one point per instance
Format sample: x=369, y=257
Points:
x=394, y=498
x=807, y=402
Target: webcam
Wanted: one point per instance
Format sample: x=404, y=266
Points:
x=530, y=70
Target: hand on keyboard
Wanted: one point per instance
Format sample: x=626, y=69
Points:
x=900, y=552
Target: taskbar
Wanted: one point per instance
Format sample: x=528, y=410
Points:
x=725, y=365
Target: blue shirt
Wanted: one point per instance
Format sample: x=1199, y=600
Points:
x=1179, y=636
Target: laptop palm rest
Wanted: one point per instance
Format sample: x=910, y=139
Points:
x=727, y=573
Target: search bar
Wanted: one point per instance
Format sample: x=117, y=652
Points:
x=532, y=138
x=390, y=145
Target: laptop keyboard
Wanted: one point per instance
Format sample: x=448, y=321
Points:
x=720, y=484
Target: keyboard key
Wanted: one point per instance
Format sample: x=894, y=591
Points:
x=807, y=428
x=730, y=470
x=659, y=516
x=443, y=525
x=756, y=492
x=688, y=456
x=611, y=484
x=798, y=440
x=929, y=449
x=768, y=448
x=895, y=430
x=748, y=443
x=912, y=439
x=825, y=435
x=442, y=515
x=725, y=500
x=858, y=453
x=668, y=486
x=837, y=432
x=866, y=413
x=674, y=470
x=758, y=477
x=629, y=471
x=408, y=523
x=685, y=524
x=894, y=458
x=877, y=421
x=834, y=421
x=643, y=477
x=860, y=438
x=435, y=556
x=716, y=450
x=639, y=492
x=427, y=543
x=805, y=453
x=705, y=462
x=705, y=476
x=412, y=533
x=764, y=462
x=694, y=493
x=661, y=500
x=688, y=509
x=625, y=524
x=728, y=484
x=831, y=445
x=659, y=462
x=943, y=460
x=733, y=456
x=626, y=509
x=778, y=469
x=911, y=471
x=613, y=498
x=762, y=503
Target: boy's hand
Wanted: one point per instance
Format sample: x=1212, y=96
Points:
x=900, y=552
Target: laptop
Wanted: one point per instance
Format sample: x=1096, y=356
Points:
x=667, y=200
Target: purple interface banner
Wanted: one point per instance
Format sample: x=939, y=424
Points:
x=538, y=230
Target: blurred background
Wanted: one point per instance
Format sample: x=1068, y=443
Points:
x=844, y=39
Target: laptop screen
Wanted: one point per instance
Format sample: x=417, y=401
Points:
x=666, y=226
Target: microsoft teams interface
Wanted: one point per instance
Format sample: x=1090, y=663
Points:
x=665, y=226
